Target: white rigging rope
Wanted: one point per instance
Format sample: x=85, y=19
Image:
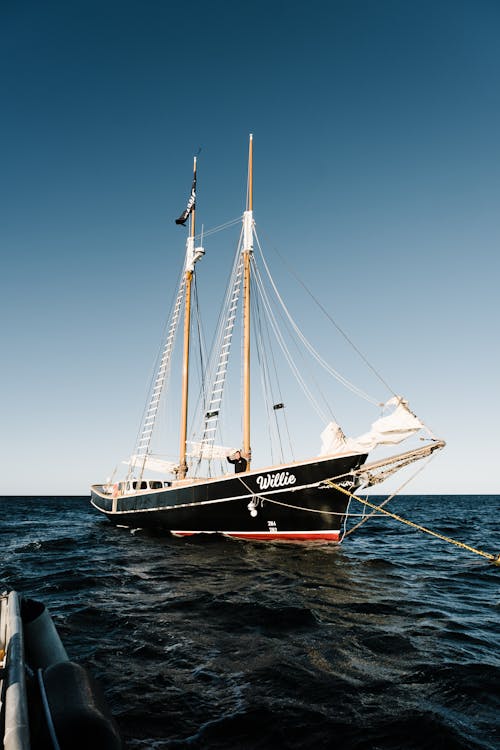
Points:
x=292, y=358
x=220, y=228
x=266, y=382
x=159, y=384
x=334, y=323
x=346, y=383
x=281, y=341
x=218, y=366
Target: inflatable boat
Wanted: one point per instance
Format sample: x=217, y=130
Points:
x=47, y=702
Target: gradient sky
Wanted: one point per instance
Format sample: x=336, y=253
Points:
x=377, y=173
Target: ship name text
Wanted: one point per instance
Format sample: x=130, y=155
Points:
x=280, y=479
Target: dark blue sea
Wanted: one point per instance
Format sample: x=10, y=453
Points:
x=388, y=642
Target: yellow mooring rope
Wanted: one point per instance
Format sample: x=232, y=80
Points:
x=495, y=559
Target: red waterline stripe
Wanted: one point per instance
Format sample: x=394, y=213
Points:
x=330, y=536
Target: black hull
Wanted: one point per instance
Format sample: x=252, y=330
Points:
x=286, y=503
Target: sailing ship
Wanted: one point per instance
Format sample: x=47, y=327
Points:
x=288, y=500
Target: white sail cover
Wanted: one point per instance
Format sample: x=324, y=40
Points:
x=152, y=463
x=209, y=451
x=397, y=426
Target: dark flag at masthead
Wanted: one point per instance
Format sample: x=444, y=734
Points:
x=190, y=205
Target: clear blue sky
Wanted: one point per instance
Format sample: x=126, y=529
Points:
x=377, y=170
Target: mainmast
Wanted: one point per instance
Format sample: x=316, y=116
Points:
x=247, y=254
x=192, y=255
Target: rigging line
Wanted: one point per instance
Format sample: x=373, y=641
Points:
x=314, y=353
x=219, y=333
x=201, y=348
x=257, y=277
x=336, y=325
x=267, y=387
x=280, y=396
x=391, y=497
x=176, y=299
x=263, y=373
x=495, y=559
x=276, y=377
x=266, y=381
x=291, y=363
x=296, y=507
x=300, y=353
x=275, y=412
x=286, y=353
x=201, y=339
x=219, y=228
x=311, y=510
x=344, y=522
x=350, y=386
x=217, y=371
x=218, y=337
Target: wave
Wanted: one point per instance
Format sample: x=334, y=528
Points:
x=386, y=642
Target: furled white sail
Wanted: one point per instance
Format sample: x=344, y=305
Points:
x=397, y=426
x=198, y=450
x=333, y=439
x=151, y=462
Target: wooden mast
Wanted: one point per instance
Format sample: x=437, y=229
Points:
x=247, y=253
x=187, y=331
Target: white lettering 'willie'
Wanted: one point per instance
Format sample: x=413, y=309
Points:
x=280, y=479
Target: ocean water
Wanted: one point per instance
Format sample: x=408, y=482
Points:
x=388, y=642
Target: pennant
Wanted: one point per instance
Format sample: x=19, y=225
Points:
x=190, y=205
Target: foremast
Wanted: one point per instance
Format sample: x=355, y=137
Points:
x=247, y=256
x=192, y=256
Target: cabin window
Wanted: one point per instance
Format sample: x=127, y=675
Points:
x=155, y=485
